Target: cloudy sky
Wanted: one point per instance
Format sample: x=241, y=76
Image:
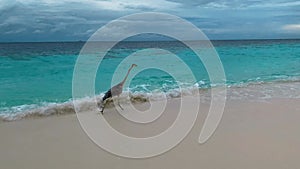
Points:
x=72, y=20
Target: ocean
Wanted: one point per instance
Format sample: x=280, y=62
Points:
x=34, y=76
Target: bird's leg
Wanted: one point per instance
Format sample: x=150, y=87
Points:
x=102, y=106
x=99, y=103
x=119, y=103
x=102, y=109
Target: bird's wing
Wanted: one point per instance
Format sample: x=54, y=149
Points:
x=117, y=89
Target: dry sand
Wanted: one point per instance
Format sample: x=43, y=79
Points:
x=251, y=135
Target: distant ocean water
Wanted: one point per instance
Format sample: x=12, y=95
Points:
x=36, y=76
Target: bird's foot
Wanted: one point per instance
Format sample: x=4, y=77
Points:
x=101, y=109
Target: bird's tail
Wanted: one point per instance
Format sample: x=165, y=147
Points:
x=107, y=95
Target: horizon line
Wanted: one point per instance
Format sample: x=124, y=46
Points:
x=81, y=41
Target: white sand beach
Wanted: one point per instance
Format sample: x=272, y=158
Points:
x=252, y=134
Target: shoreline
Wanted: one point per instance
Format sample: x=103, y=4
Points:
x=252, y=91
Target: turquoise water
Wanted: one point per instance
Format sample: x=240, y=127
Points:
x=36, y=74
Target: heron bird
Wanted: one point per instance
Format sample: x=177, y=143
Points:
x=115, y=91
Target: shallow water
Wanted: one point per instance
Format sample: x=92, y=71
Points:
x=34, y=75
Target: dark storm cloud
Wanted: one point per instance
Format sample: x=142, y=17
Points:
x=50, y=20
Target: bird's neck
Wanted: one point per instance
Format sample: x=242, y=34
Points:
x=124, y=80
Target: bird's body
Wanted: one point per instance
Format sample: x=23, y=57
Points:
x=115, y=91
